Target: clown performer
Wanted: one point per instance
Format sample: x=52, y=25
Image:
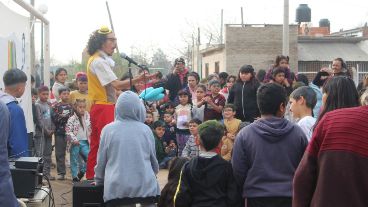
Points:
x=102, y=83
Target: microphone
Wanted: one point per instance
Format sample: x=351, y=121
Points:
x=130, y=60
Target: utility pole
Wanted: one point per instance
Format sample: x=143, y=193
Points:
x=222, y=26
x=193, y=54
x=241, y=14
x=42, y=60
x=32, y=43
x=199, y=67
x=285, y=34
x=188, y=57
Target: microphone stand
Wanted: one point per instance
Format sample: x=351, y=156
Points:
x=130, y=75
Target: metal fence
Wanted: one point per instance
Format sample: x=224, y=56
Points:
x=310, y=68
x=362, y=71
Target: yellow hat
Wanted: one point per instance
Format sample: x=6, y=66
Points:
x=104, y=30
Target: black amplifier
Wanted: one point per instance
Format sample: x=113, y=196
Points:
x=87, y=195
x=26, y=178
x=29, y=163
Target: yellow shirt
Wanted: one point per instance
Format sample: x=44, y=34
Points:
x=100, y=76
x=227, y=142
x=78, y=95
x=227, y=148
x=232, y=126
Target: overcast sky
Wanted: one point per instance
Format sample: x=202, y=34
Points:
x=146, y=24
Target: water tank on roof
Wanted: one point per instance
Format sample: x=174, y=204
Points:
x=324, y=23
x=303, y=13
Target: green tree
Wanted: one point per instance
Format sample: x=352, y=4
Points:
x=160, y=60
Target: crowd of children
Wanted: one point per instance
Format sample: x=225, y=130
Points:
x=226, y=140
x=64, y=116
x=266, y=153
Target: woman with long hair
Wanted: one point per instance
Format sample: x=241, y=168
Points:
x=338, y=92
x=61, y=75
x=280, y=62
x=193, y=81
x=168, y=192
x=229, y=84
x=243, y=94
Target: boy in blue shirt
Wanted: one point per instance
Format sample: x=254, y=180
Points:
x=15, y=83
x=7, y=197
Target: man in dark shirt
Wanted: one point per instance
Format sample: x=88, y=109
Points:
x=178, y=79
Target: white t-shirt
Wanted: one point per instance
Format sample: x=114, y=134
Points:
x=307, y=123
x=82, y=132
x=198, y=113
x=102, y=68
x=183, y=116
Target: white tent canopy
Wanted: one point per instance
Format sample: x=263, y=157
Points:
x=15, y=50
x=14, y=36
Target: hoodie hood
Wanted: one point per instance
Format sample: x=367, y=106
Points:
x=129, y=107
x=315, y=88
x=273, y=129
x=6, y=98
x=207, y=171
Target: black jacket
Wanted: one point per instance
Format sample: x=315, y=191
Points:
x=174, y=85
x=207, y=182
x=244, y=96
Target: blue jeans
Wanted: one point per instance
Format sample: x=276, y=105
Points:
x=75, y=150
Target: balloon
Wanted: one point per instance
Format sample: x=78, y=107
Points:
x=153, y=93
x=146, y=91
x=157, y=98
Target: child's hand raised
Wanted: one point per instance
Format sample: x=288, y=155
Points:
x=208, y=100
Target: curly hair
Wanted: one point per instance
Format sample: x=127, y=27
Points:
x=95, y=42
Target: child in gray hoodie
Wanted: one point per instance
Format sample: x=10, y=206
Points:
x=45, y=128
x=268, y=151
x=126, y=159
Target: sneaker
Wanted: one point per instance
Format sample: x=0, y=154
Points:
x=80, y=175
x=61, y=177
x=51, y=177
x=75, y=180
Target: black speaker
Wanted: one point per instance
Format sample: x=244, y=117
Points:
x=25, y=180
x=87, y=195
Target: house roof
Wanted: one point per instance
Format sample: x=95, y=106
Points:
x=212, y=48
x=327, y=51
